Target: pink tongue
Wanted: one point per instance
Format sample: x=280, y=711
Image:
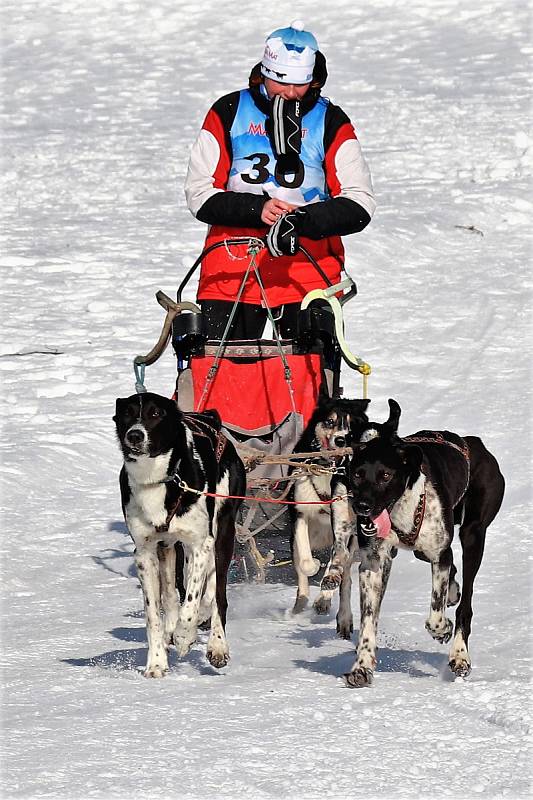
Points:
x=383, y=524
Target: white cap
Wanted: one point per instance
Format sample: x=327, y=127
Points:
x=289, y=55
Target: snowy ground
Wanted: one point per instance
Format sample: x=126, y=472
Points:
x=102, y=101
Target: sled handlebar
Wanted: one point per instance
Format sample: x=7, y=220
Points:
x=170, y=305
x=172, y=309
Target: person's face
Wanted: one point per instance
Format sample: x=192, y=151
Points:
x=289, y=91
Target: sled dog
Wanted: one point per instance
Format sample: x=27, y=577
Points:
x=335, y=423
x=174, y=466
x=409, y=493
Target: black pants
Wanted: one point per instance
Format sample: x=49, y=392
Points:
x=249, y=320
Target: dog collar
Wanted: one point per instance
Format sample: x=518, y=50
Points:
x=174, y=478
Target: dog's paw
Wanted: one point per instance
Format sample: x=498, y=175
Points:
x=345, y=629
x=358, y=678
x=322, y=605
x=155, y=671
x=218, y=658
x=300, y=604
x=183, y=647
x=183, y=644
x=461, y=667
x=331, y=581
x=443, y=632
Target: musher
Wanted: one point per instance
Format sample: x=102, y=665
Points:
x=279, y=160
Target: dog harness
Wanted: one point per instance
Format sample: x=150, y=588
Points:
x=409, y=539
x=432, y=437
x=198, y=426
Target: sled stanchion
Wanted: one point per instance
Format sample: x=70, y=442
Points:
x=365, y=386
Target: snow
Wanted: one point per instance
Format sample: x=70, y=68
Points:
x=101, y=103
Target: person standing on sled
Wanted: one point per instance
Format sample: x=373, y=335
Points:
x=280, y=160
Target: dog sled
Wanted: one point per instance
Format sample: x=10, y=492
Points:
x=265, y=391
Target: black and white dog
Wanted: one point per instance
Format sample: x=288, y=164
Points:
x=335, y=423
x=409, y=493
x=174, y=466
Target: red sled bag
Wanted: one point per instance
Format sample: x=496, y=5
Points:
x=251, y=395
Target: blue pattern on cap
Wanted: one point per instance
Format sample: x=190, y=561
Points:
x=294, y=39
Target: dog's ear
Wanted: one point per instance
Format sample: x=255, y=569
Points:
x=412, y=456
x=121, y=403
x=394, y=417
x=358, y=417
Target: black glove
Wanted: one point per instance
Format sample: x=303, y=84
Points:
x=282, y=238
x=286, y=126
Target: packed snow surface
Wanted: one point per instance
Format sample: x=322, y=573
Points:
x=101, y=103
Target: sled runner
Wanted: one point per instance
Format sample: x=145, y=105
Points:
x=265, y=391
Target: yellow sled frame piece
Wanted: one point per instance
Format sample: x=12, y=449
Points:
x=329, y=295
